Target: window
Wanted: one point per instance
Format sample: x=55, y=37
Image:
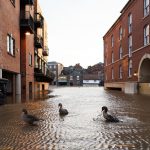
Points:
x=112, y=73
x=71, y=77
x=120, y=52
x=54, y=66
x=112, y=41
x=130, y=45
x=146, y=35
x=30, y=59
x=146, y=7
x=112, y=57
x=13, y=2
x=120, y=71
x=10, y=45
x=130, y=68
x=120, y=33
x=130, y=23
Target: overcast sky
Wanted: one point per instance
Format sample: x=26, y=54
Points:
x=76, y=28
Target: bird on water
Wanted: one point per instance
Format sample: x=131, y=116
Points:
x=29, y=119
x=62, y=111
x=107, y=116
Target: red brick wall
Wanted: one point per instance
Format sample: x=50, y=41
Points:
x=138, y=22
x=9, y=16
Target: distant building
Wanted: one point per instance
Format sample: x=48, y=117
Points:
x=94, y=75
x=74, y=75
x=127, y=49
x=56, y=68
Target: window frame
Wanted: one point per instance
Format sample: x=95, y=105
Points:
x=30, y=59
x=120, y=33
x=112, y=41
x=130, y=68
x=146, y=7
x=130, y=45
x=10, y=45
x=13, y=2
x=146, y=35
x=120, y=52
x=120, y=72
x=130, y=18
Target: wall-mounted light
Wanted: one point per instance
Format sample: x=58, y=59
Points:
x=27, y=33
x=135, y=73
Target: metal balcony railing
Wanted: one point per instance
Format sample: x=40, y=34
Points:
x=26, y=21
x=38, y=40
x=45, y=51
x=39, y=20
x=27, y=2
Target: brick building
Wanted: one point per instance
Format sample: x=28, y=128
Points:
x=23, y=48
x=56, y=68
x=127, y=49
x=10, y=45
x=94, y=75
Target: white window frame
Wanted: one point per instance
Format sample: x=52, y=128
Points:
x=130, y=45
x=120, y=72
x=146, y=7
x=120, y=33
x=120, y=52
x=130, y=23
x=130, y=68
x=112, y=57
x=10, y=45
x=146, y=35
x=71, y=77
x=30, y=59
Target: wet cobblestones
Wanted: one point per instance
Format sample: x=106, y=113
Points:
x=82, y=129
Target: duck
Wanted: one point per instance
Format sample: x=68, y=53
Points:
x=108, y=117
x=62, y=111
x=29, y=119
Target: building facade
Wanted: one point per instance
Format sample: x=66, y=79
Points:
x=10, y=45
x=56, y=68
x=23, y=45
x=94, y=75
x=127, y=49
x=73, y=75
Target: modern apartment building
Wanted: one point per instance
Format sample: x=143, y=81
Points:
x=127, y=49
x=23, y=48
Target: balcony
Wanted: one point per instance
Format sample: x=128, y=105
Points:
x=45, y=51
x=27, y=2
x=41, y=77
x=39, y=20
x=38, y=41
x=26, y=22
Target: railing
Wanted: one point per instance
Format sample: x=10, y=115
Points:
x=39, y=20
x=27, y=2
x=45, y=51
x=38, y=41
x=26, y=21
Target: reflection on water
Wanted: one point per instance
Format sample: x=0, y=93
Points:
x=84, y=128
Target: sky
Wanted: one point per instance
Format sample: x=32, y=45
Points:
x=76, y=29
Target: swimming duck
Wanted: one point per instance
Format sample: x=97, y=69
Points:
x=108, y=117
x=62, y=111
x=29, y=119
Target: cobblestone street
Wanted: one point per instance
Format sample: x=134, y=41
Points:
x=83, y=128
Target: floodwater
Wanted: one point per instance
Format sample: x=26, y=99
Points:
x=83, y=128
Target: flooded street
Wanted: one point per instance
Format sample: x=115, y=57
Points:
x=83, y=128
